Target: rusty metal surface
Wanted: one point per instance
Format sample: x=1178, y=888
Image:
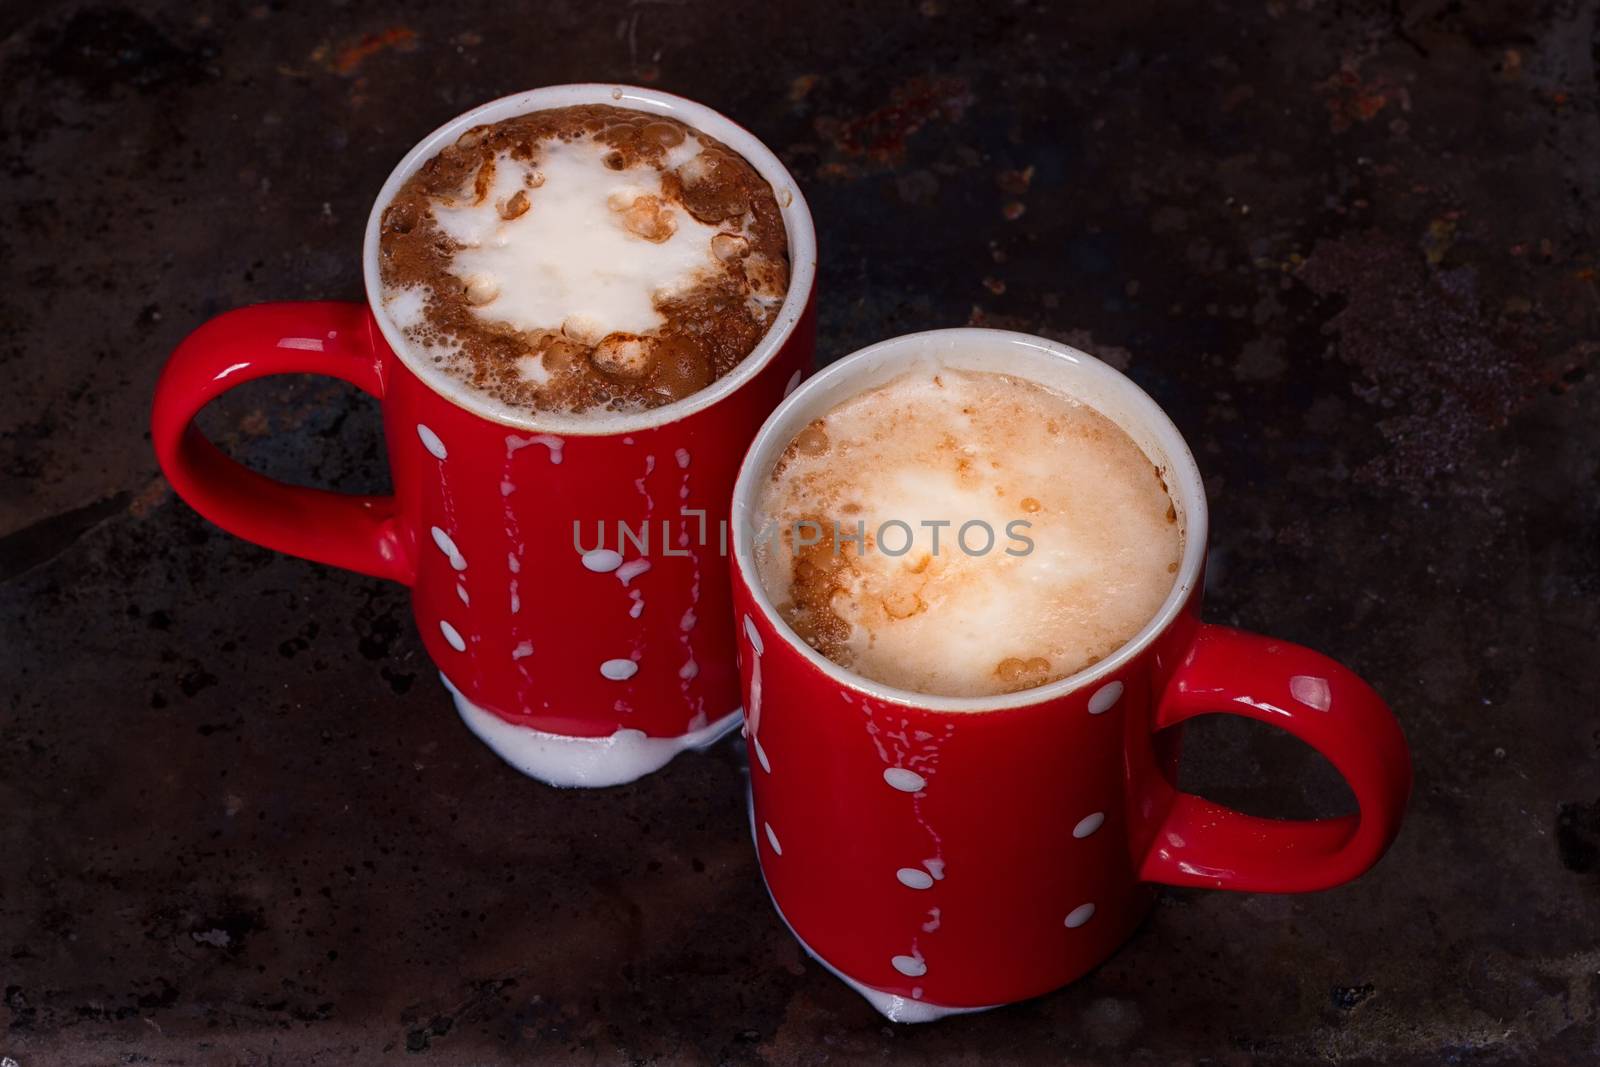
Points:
x=1350, y=246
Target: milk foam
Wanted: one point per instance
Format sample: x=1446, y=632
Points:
x=570, y=258
x=963, y=447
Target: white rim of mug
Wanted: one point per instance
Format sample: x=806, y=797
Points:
x=1180, y=473
x=796, y=220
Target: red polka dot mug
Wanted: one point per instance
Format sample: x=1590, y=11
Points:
x=945, y=854
x=584, y=656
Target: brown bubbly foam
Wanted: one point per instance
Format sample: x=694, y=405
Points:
x=1094, y=563
x=587, y=258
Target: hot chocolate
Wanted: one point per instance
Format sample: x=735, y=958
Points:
x=584, y=259
x=966, y=534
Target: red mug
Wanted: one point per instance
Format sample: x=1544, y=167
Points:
x=580, y=668
x=945, y=854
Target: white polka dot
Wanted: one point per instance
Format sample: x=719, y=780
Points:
x=452, y=635
x=1104, y=697
x=904, y=780
x=912, y=878
x=794, y=383
x=753, y=635
x=431, y=442
x=602, y=560
x=448, y=547
x=1079, y=915
x=1089, y=824
x=1311, y=691
x=619, y=670
x=761, y=755
x=772, y=839
x=910, y=966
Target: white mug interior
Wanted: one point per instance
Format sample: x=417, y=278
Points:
x=1036, y=359
x=791, y=204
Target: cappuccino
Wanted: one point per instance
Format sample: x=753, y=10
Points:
x=966, y=534
x=587, y=258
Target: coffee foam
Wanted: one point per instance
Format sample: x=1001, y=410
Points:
x=569, y=258
x=583, y=259
x=960, y=446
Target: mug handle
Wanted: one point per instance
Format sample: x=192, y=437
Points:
x=359, y=533
x=1324, y=704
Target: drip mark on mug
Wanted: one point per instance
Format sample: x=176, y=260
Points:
x=602, y=560
x=452, y=635
x=549, y=441
x=631, y=570
x=1079, y=915
x=935, y=868
x=431, y=442
x=682, y=456
x=619, y=670
x=912, y=878
x=448, y=547
x=1089, y=824
x=522, y=651
x=904, y=780
x=753, y=635
x=910, y=966
x=761, y=755
x=772, y=839
x=461, y=591
x=1104, y=698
